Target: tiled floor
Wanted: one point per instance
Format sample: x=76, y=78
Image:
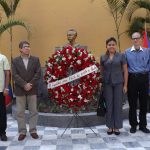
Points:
x=77, y=139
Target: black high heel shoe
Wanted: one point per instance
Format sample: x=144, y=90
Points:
x=110, y=131
x=116, y=132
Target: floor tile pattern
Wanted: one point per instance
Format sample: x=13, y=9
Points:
x=77, y=139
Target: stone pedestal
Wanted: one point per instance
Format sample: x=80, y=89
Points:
x=62, y=119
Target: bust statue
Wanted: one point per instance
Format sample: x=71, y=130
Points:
x=71, y=37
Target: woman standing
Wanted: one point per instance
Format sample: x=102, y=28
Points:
x=115, y=76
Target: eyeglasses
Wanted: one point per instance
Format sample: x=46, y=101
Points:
x=26, y=46
x=111, y=44
x=136, y=38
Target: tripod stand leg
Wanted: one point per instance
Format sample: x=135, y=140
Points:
x=67, y=126
x=86, y=123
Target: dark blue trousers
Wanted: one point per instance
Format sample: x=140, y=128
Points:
x=3, y=115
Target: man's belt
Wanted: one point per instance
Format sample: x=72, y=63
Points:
x=138, y=74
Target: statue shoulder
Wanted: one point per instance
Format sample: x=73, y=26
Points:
x=82, y=46
x=75, y=46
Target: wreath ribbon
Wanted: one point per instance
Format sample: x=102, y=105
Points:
x=73, y=77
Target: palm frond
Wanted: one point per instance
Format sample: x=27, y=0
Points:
x=114, y=5
x=117, y=9
x=137, y=25
x=9, y=7
x=123, y=6
x=12, y=23
x=5, y=7
x=137, y=4
x=118, y=5
x=15, y=4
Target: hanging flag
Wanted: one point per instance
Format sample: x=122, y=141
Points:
x=146, y=42
x=9, y=97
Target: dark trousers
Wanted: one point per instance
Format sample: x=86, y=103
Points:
x=138, y=90
x=148, y=105
x=3, y=115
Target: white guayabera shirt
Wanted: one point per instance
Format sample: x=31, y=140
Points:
x=4, y=65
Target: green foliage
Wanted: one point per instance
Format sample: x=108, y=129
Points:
x=137, y=4
x=117, y=10
x=4, y=27
x=9, y=7
x=53, y=107
x=138, y=23
x=117, y=7
x=5, y=7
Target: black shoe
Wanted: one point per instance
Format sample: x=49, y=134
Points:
x=3, y=137
x=109, y=132
x=116, y=132
x=132, y=129
x=144, y=129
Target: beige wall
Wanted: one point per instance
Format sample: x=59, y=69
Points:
x=50, y=19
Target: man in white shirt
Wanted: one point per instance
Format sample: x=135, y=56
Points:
x=4, y=82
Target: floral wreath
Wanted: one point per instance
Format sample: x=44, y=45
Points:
x=77, y=94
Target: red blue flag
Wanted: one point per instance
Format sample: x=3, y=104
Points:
x=146, y=42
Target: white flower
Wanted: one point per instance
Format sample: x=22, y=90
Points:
x=80, y=54
x=69, y=57
x=86, y=100
x=94, y=76
x=79, y=62
x=49, y=64
x=79, y=86
x=59, y=67
x=56, y=96
x=63, y=58
x=53, y=77
x=48, y=80
x=71, y=89
x=67, y=50
x=84, y=87
x=73, y=50
x=90, y=55
x=55, y=56
x=62, y=89
x=79, y=96
x=71, y=99
x=86, y=58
